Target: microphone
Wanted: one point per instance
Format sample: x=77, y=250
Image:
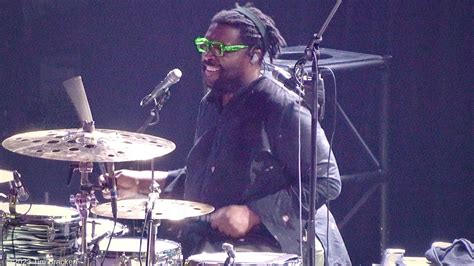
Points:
x=283, y=76
x=99, y=238
x=286, y=78
x=20, y=189
x=162, y=88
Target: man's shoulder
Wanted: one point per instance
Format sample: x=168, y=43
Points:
x=275, y=93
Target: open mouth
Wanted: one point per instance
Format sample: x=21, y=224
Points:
x=211, y=69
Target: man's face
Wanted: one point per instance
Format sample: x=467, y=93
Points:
x=225, y=73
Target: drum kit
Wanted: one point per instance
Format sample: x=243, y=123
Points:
x=52, y=235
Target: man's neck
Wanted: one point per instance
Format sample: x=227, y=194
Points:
x=226, y=97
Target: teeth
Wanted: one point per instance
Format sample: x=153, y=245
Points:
x=212, y=68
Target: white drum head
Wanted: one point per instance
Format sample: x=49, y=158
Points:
x=244, y=258
x=132, y=245
x=102, y=226
x=41, y=210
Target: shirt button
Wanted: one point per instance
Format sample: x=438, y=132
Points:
x=212, y=169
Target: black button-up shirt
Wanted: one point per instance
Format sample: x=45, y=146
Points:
x=249, y=152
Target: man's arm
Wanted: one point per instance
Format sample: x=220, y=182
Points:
x=131, y=183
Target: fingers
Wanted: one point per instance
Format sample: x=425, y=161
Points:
x=132, y=182
x=235, y=220
x=126, y=186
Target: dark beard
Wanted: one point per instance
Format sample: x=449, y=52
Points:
x=228, y=86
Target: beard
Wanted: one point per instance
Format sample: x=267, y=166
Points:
x=226, y=85
x=228, y=80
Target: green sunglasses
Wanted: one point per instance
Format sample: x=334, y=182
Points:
x=204, y=45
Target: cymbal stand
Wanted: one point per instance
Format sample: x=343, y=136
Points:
x=152, y=223
x=83, y=201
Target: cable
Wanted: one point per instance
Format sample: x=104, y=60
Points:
x=300, y=185
x=299, y=72
x=147, y=215
x=331, y=139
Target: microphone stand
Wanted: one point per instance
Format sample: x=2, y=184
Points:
x=154, y=116
x=312, y=54
x=151, y=223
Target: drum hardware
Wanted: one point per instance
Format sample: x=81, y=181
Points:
x=152, y=222
x=16, y=192
x=50, y=233
x=83, y=201
x=94, y=244
x=229, y=249
x=152, y=210
x=87, y=145
x=12, y=199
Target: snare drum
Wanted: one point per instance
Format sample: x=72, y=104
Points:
x=97, y=227
x=244, y=258
x=125, y=252
x=43, y=235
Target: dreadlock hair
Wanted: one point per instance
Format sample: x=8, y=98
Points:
x=249, y=32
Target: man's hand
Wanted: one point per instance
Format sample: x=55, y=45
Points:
x=130, y=183
x=234, y=220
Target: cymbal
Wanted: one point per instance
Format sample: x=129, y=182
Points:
x=6, y=176
x=102, y=145
x=167, y=209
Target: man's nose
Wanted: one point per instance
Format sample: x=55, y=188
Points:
x=208, y=56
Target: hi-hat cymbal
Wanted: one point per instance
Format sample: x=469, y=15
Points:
x=164, y=209
x=102, y=145
x=5, y=176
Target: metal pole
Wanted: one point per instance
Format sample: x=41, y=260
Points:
x=384, y=118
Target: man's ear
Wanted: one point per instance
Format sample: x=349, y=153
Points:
x=255, y=56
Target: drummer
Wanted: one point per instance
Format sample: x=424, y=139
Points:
x=244, y=161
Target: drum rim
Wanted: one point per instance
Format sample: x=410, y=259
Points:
x=176, y=245
x=197, y=260
x=72, y=215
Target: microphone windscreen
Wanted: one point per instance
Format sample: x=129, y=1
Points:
x=77, y=94
x=175, y=75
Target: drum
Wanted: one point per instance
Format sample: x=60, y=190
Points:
x=125, y=252
x=42, y=234
x=99, y=228
x=245, y=258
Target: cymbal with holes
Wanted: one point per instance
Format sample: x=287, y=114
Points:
x=102, y=145
x=167, y=209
